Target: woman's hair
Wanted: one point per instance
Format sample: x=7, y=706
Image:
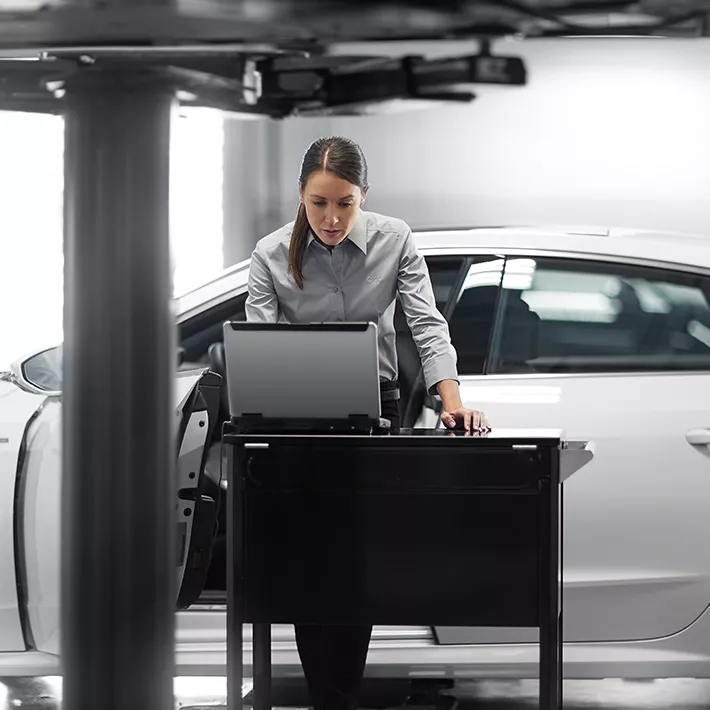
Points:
x=340, y=156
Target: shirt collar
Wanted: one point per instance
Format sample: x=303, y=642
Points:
x=358, y=234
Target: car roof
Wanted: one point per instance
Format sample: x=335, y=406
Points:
x=679, y=249
x=672, y=248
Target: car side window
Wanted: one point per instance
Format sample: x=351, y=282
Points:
x=471, y=322
x=568, y=315
x=444, y=272
x=197, y=334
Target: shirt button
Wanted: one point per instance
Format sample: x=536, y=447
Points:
x=335, y=289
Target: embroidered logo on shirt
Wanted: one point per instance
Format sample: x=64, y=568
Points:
x=374, y=279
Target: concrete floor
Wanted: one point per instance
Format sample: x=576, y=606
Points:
x=199, y=694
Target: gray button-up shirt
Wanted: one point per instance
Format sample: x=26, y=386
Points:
x=357, y=280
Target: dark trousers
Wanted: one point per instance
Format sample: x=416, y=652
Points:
x=333, y=657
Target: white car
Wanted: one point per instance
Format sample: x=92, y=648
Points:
x=602, y=333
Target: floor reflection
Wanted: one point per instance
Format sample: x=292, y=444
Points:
x=210, y=694
x=677, y=693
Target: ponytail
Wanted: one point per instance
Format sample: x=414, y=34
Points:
x=299, y=242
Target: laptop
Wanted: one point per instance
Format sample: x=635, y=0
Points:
x=318, y=378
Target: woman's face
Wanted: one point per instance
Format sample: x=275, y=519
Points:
x=331, y=206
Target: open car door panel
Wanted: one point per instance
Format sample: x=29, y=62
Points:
x=198, y=496
x=38, y=524
x=18, y=412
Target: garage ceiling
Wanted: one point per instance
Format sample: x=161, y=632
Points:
x=310, y=22
x=271, y=57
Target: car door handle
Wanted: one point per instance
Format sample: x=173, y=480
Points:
x=698, y=437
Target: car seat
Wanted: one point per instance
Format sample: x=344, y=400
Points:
x=519, y=343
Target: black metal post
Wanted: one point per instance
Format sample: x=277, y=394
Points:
x=237, y=457
x=118, y=551
x=262, y=667
x=235, y=581
x=550, y=620
x=561, y=565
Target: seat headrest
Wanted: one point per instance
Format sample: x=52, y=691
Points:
x=215, y=354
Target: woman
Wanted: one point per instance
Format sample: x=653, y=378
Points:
x=339, y=263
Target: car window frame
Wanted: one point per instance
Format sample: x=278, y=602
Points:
x=533, y=253
x=468, y=259
x=464, y=265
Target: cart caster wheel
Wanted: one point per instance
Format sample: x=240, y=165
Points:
x=425, y=701
x=430, y=694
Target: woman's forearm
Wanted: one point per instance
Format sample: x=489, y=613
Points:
x=450, y=395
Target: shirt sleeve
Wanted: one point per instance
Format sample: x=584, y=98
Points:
x=262, y=304
x=429, y=327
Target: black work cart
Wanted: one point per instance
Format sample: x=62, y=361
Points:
x=422, y=527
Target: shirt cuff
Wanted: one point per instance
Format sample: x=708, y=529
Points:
x=440, y=369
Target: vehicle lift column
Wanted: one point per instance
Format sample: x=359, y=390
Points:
x=118, y=550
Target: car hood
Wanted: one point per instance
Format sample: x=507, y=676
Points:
x=7, y=386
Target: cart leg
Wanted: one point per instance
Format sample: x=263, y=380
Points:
x=235, y=587
x=549, y=663
x=262, y=667
x=560, y=627
x=560, y=673
x=550, y=612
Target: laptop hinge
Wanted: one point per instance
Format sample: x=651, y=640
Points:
x=359, y=419
x=257, y=422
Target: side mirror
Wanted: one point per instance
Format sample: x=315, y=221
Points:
x=41, y=372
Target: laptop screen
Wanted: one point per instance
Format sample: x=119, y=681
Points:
x=323, y=371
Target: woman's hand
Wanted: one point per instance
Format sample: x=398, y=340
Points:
x=468, y=419
x=455, y=415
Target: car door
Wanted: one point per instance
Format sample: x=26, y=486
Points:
x=18, y=409
x=619, y=354
x=196, y=397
